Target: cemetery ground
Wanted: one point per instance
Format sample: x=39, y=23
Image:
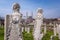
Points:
x=1, y=33
x=29, y=36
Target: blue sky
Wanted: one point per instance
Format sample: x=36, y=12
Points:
x=51, y=8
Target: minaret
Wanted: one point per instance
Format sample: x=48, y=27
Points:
x=38, y=23
x=26, y=15
x=32, y=14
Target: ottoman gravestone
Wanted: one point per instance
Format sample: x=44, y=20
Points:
x=58, y=29
x=45, y=29
x=55, y=29
x=12, y=24
x=37, y=26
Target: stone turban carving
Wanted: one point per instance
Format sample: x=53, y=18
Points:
x=40, y=10
x=16, y=7
x=15, y=20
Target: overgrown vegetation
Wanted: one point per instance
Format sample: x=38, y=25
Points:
x=55, y=38
x=1, y=33
x=47, y=35
x=29, y=36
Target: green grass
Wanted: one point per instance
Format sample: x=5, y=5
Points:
x=1, y=33
x=29, y=36
x=47, y=35
x=55, y=38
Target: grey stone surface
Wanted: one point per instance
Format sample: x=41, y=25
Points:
x=59, y=31
x=45, y=28
x=12, y=25
x=37, y=26
x=13, y=28
x=55, y=29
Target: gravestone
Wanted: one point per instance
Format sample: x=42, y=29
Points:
x=55, y=29
x=58, y=30
x=27, y=29
x=37, y=25
x=22, y=29
x=45, y=28
x=12, y=24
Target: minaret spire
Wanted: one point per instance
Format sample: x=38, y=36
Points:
x=26, y=15
x=32, y=14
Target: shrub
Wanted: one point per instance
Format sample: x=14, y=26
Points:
x=27, y=36
x=55, y=38
x=47, y=35
x=1, y=33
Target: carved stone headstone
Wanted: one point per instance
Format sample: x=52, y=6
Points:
x=12, y=24
x=38, y=23
x=45, y=28
x=27, y=29
x=58, y=30
x=55, y=29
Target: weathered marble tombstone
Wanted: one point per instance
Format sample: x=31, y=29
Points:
x=27, y=29
x=45, y=28
x=58, y=30
x=37, y=25
x=51, y=37
x=22, y=29
x=55, y=29
x=12, y=24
